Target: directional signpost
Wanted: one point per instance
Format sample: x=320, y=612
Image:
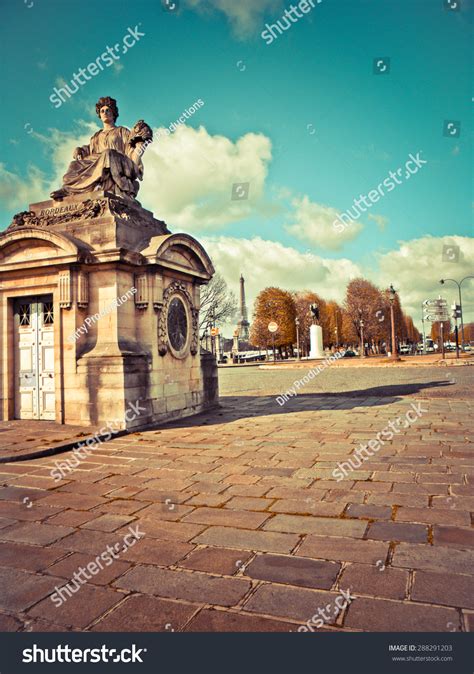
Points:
x=436, y=311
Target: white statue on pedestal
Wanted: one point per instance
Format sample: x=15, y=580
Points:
x=315, y=335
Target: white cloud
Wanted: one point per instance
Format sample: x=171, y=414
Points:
x=245, y=16
x=189, y=176
x=266, y=263
x=314, y=224
x=417, y=266
x=19, y=192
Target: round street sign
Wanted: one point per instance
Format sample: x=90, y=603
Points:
x=272, y=326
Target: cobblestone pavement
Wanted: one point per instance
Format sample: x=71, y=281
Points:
x=26, y=439
x=242, y=525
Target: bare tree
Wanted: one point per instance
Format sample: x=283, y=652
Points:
x=218, y=303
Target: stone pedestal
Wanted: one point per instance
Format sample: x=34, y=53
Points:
x=125, y=293
x=235, y=343
x=316, y=342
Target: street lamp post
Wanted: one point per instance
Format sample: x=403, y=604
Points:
x=297, y=323
x=391, y=296
x=459, y=284
x=213, y=325
x=362, y=344
x=456, y=313
x=337, y=337
x=423, y=324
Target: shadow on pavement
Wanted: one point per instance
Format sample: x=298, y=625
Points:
x=243, y=406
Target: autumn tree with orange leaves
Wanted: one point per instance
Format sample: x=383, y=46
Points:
x=366, y=302
x=468, y=332
x=335, y=334
x=340, y=324
x=436, y=331
x=274, y=304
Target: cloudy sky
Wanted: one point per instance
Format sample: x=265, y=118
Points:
x=310, y=122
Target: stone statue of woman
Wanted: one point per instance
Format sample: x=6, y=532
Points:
x=112, y=161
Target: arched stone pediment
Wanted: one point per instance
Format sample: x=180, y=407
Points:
x=180, y=251
x=34, y=244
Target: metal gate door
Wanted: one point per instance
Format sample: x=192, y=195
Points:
x=34, y=358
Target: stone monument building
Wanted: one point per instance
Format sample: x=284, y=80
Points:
x=99, y=302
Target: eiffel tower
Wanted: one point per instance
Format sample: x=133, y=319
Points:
x=243, y=323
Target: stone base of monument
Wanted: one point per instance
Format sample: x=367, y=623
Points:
x=99, y=307
x=316, y=342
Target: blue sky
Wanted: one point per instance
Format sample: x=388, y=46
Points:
x=319, y=125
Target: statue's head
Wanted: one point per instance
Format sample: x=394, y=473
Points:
x=106, y=102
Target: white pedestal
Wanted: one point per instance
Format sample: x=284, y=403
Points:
x=316, y=342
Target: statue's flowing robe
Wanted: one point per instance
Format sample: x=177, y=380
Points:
x=110, y=163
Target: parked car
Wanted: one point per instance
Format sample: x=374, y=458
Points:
x=349, y=353
x=405, y=348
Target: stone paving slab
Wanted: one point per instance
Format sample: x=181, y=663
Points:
x=24, y=439
x=244, y=526
x=27, y=439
